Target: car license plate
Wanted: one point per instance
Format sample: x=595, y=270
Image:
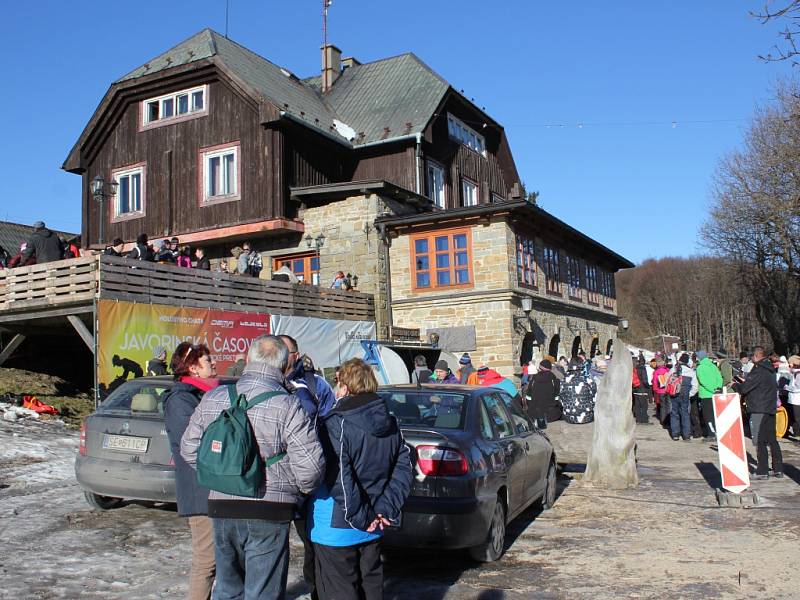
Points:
x=125, y=443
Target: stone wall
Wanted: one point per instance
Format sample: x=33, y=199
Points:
x=352, y=245
x=492, y=303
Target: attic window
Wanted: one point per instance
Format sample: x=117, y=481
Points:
x=176, y=106
x=466, y=135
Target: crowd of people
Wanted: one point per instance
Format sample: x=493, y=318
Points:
x=334, y=461
x=43, y=245
x=682, y=386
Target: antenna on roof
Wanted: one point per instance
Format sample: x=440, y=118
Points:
x=325, y=5
x=227, y=10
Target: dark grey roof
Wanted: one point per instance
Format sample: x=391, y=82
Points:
x=399, y=93
x=275, y=84
x=12, y=235
x=388, y=98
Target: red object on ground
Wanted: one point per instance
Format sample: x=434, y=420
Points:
x=36, y=405
x=730, y=443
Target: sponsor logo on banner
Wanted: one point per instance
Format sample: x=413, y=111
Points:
x=129, y=332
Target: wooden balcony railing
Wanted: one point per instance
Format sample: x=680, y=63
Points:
x=81, y=280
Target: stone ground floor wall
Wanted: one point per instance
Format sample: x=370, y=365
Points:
x=498, y=335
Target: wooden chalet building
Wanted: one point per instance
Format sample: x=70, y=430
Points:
x=379, y=169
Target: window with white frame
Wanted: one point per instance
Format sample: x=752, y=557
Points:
x=175, y=105
x=466, y=135
x=221, y=174
x=129, y=199
x=469, y=193
x=435, y=183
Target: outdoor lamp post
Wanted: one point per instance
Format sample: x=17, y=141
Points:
x=101, y=189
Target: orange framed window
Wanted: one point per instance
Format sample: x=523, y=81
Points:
x=441, y=259
x=305, y=266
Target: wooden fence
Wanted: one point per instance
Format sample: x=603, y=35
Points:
x=80, y=280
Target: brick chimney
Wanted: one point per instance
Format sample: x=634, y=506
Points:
x=331, y=66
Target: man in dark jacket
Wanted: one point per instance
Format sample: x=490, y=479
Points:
x=367, y=479
x=158, y=364
x=141, y=251
x=543, y=389
x=44, y=244
x=202, y=260
x=761, y=389
x=115, y=249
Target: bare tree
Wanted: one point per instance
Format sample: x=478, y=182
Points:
x=787, y=11
x=698, y=299
x=755, y=216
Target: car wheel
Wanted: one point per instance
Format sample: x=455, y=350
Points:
x=549, y=497
x=493, y=547
x=102, y=502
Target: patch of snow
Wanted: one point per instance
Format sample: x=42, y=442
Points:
x=16, y=411
x=344, y=129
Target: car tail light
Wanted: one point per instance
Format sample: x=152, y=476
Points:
x=82, y=443
x=435, y=460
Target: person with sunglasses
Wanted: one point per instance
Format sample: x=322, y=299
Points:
x=195, y=374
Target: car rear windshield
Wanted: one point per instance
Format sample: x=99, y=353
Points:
x=444, y=410
x=136, y=398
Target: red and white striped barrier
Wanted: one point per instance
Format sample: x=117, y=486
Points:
x=730, y=443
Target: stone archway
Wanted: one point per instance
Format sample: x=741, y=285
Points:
x=552, y=349
x=609, y=346
x=576, y=346
x=595, y=348
x=529, y=343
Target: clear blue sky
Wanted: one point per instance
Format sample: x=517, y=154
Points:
x=626, y=70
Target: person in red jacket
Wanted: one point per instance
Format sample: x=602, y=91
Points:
x=659, y=383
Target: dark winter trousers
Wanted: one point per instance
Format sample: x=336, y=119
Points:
x=762, y=428
x=795, y=416
x=349, y=572
x=709, y=422
x=308, y=557
x=694, y=410
x=640, y=407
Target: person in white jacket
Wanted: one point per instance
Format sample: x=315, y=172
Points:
x=794, y=394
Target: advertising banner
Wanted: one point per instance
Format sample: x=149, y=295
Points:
x=128, y=333
x=329, y=342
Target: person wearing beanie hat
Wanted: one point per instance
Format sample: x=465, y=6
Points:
x=158, y=364
x=442, y=373
x=466, y=369
x=43, y=244
x=543, y=389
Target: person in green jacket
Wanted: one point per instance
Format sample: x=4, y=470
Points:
x=709, y=380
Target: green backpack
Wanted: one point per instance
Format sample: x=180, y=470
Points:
x=228, y=459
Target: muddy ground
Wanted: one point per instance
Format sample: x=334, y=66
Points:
x=667, y=538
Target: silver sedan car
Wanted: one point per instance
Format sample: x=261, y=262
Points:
x=479, y=462
x=124, y=449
